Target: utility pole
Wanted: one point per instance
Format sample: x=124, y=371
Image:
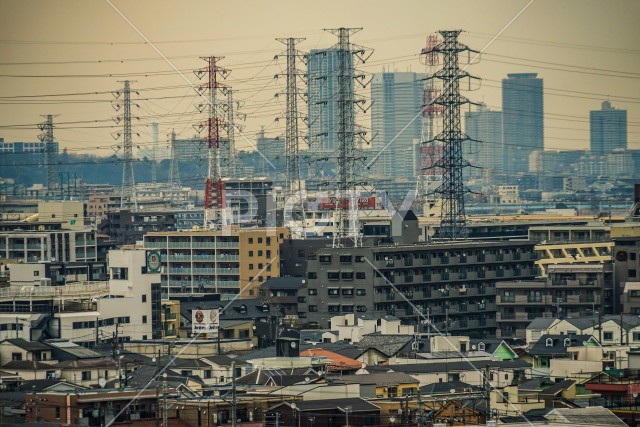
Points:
x=453, y=220
x=165, y=421
x=174, y=172
x=50, y=153
x=233, y=394
x=154, y=153
x=419, y=420
x=487, y=385
x=214, y=209
x=128, y=196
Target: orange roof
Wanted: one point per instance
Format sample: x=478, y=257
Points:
x=337, y=361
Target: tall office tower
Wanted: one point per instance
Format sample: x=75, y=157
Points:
x=322, y=104
x=486, y=155
x=522, y=120
x=397, y=100
x=608, y=129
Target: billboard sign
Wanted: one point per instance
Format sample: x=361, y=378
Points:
x=205, y=321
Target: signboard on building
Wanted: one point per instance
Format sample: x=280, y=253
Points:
x=205, y=321
x=153, y=261
x=363, y=203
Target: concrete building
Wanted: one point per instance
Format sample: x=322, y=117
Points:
x=608, y=129
x=453, y=284
x=88, y=312
x=227, y=262
x=48, y=245
x=567, y=291
x=522, y=119
x=397, y=97
x=486, y=152
x=626, y=253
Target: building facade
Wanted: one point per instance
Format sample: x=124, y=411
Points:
x=522, y=119
x=227, y=262
x=608, y=129
x=485, y=151
x=453, y=285
x=568, y=291
x=397, y=99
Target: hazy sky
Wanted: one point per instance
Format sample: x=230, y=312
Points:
x=586, y=51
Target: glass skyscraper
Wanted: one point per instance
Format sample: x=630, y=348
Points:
x=396, y=122
x=608, y=129
x=485, y=151
x=522, y=120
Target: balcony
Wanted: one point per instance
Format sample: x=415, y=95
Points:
x=516, y=317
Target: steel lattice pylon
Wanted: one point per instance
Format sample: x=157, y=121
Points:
x=50, y=159
x=453, y=221
x=293, y=185
x=174, y=173
x=128, y=196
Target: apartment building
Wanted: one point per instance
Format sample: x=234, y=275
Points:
x=569, y=290
x=48, y=245
x=226, y=262
x=452, y=284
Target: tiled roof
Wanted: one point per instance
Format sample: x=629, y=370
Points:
x=383, y=379
x=27, y=345
x=337, y=361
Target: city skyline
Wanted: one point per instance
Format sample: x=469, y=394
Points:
x=581, y=68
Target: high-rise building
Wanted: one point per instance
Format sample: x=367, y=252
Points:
x=608, y=129
x=322, y=100
x=397, y=100
x=522, y=119
x=487, y=154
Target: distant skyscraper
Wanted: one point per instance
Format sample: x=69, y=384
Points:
x=522, y=119
x=322, y=97
x=608, y=129
x=395, y=116
x=487, y=155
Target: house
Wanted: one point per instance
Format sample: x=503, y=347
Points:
x=324, y=413
x=220, y=369
x=550, y=347
x=88, y=372
x=32, y=370
x=19, y=349
x=62, y=349
x=498, y=349
x=389, y=384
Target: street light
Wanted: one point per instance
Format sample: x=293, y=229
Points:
x=295, y=407
x=346, y=411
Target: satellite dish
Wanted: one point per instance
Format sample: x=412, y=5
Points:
x=473, y=347
x=453, y=390
x=293, y=344
x=102, y=382
x=364, y=365
x=307, y=379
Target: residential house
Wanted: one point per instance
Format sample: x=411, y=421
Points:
x=551, y=347
x=324, y=413
x=19, y=349
x=389, y=384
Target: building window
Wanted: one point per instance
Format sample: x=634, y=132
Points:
x=250, y=266
x=16, y=356
x=313, y=308
x=345, y=259
x=325, y=259
x=86, y=375
x=549, y=342
x=607, y=336
x=360, y=275
x=312, y=275
x=268, y=241
x=250, y=253
x=36, y=273
x=347, y=292
x=251, y=240
x=333, y=292
x=632, y=272
x=57, y=412
x=260, y=265
x=313, y=292
x=144, y=319
x=259, y=253
x=144, y=298
x=259, y=239
x=361, y=292
x=333, y=308
x=333, y=275
x=347, y=275
x=359, y=258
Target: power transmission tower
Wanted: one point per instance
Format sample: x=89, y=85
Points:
x=453, y=221
x=50, y=154
x=214, y=209
x=232, y=161
x=128, y=196
x=294, y=195
x=430, y=151
x=174, y=172
x=154, y=153
x=347, y=225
